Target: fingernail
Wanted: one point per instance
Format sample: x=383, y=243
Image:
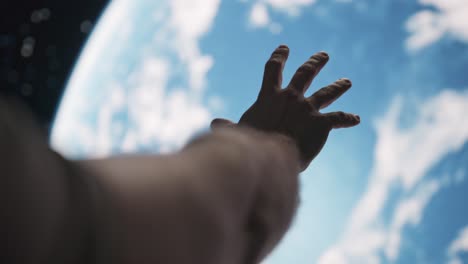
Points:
x=323, y=54
x=283, y=46
x=358, y=118
x=345, y=81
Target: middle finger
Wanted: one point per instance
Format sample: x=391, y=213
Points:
x=307, y=72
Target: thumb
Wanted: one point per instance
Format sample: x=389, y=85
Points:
x=221, y=123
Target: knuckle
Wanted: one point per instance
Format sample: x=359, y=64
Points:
x=312, y=105
x=291, y=93
x=274, y=62
x=307, y=68
x=283, y=50
x=321, y=93
x=341, y=115
x=334, y=86
x=327, y=122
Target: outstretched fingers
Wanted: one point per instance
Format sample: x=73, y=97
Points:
x=307, y=72
x=273, y=75
x=327, y=95
x=341, y=119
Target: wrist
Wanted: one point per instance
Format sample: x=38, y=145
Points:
x=282, y=142
x=289, y=145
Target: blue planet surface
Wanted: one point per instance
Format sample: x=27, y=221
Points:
x=392, y=190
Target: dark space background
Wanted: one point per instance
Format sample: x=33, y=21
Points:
x=40, y=41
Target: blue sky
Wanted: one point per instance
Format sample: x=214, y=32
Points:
x=391, y=190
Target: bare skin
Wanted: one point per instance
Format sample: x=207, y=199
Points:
x=228, y=197
x=287, y=112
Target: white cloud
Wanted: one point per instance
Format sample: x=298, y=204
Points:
x=291, y=7
x=171, y=118
x=105, y=124
x=402, y=158
x=160, y=99
x=409, y=211
x=260, y=12
x=259, y=16
x=159, y=116
x=193, y=19
x=459, y=245
x=190, y=20
x=70, y=135
x=428, y=26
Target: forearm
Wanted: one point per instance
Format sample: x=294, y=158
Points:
x=43, y=206
x=223, y=190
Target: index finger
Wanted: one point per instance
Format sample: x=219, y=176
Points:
x=273, y=75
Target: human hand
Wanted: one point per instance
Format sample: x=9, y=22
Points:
x=288, y=112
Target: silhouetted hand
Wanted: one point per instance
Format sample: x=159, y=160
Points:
x=288, y=112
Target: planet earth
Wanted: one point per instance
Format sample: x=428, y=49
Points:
x=153, y=74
